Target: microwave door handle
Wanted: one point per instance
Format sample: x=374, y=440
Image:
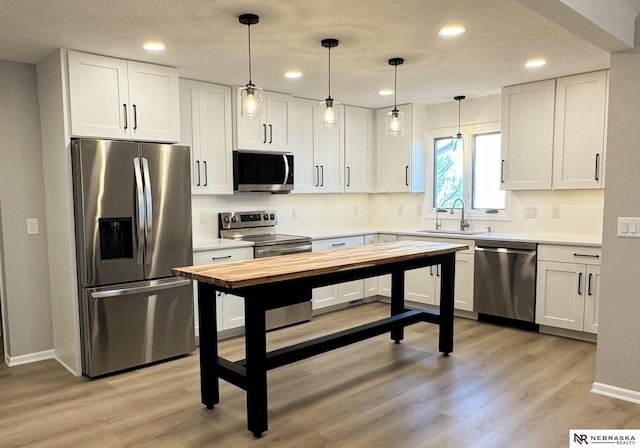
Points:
x=286, y=169
x=140, y=210
x=148, y=229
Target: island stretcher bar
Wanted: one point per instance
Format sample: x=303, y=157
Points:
x=268, y=283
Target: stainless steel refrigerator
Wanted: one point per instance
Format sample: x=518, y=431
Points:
x=133, y=224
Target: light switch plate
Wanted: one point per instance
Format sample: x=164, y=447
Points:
x=531, y=211
x=628, y=227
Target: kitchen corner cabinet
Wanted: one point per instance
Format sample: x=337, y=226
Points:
x=358, y=149
x=527, y=135
x=272, y=131
x=400, y=159
x=579, y=132
x=318, y=152
x=423, y=285
x=568, y=287
x=343, y=292
x=229, y=308
x=205, y=120
x=115, y=98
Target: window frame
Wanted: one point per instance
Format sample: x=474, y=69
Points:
x=468, y=133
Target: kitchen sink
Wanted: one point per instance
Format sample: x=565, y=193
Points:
x=452, y=232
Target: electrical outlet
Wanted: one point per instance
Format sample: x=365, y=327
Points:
x=355, y=209
x=555, y=212
x=401, y=209
x=294, y=213
x=531, y=211
x=203, y=218
x=419, y=210
x=32, y=226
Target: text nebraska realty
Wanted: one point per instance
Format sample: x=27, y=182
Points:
x=612, y=440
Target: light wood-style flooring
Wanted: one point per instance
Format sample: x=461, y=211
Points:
x=501, y=387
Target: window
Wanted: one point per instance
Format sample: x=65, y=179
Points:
x=468, y=169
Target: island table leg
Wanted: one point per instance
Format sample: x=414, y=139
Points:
x=256, y=354
x=447, y=284
x=397, y=302
x=209, y=383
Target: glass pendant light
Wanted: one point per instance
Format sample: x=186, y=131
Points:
x=250, y=95
x=458, y=99
x=330, y=117
x=395, y=118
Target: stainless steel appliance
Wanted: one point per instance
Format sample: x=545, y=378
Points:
x=505, y=281
x=262, y=171
x=133, y=224
x=259, y=228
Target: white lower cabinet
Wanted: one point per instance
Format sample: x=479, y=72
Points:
x=370, y=283
x=230, y=308
x=423, y=285
x=343, y=292
x=384, y=281
x=568, y=287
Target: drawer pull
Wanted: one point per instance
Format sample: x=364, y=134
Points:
x=338, y=244
x=586, y=255
x=220, y=258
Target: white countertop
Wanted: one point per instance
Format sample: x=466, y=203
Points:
x=218, y=243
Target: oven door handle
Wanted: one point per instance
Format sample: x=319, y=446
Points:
x=269, y=251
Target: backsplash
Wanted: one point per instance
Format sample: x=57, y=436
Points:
x=579, y=212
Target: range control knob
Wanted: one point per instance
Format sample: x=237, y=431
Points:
x=234, y=219
x=226, y=219
x=273, y=216
x=266, y=217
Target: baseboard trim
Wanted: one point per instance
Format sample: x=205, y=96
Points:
x=616, y=392
x=13, y=361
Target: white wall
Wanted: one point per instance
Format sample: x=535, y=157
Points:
x=26, y=301
x=618, y=357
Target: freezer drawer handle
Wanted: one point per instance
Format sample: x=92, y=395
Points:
x=139, y=289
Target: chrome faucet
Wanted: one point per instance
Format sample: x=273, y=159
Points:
x=463, y=222
x=438, y=223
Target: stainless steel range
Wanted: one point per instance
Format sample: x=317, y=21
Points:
x=259, y=227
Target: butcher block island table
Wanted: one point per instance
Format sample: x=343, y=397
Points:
x=267, y=283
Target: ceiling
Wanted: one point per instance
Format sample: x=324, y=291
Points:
x=206, y=42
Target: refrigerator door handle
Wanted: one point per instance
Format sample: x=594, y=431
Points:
x=139, y=289
x=140, y=209
x=148, y=230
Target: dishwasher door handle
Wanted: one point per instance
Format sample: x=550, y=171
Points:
x=505, y=250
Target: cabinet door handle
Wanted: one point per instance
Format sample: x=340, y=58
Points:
x=206, y=174
x=437, y=270
x=135, y=118
x=220, y=258
x=431, y=270
x=580, y=283
x=198, y=165
x=348, y=176
x=589, y=284
x=126, y=117
x=317, y=175
x=264, y=134
x=597, y=177
x=406, y=175
x=322, y=175
x=270, y=134
x=502, y=171
x=586, y=255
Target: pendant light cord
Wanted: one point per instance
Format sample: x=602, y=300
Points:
x=329, y=72
x=249, y=33
x=395, y=88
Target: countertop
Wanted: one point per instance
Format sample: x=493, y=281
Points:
x=557, y=239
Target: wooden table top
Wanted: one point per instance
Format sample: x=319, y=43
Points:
x=238, y=274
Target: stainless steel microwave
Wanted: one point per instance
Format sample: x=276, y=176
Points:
x=262, y=171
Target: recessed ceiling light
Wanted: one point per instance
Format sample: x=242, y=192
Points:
x=293, y=74
x=385, y=92
x=533, y=63
x=450, y=31
x=153, y=46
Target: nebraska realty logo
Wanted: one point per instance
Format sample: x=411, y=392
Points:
x=600, y=437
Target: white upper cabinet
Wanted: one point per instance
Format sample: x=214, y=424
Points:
x=358, y=149
x=114, y=98
x=271, y=132
x=205, y=119
x=400, y=159
x=527, y=135
x=318, y=152
x=579, y=135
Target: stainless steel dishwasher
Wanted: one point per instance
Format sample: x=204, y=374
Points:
x=505, y=282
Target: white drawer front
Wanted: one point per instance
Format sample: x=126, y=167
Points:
x=222, y=255
x=570, y=254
